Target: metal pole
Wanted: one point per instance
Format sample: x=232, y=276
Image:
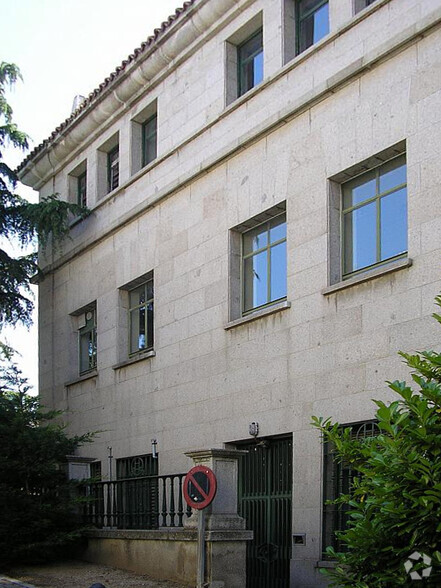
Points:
x=201, y=550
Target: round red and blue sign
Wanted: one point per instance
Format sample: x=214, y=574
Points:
x=200, y=487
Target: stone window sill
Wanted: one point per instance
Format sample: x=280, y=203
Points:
x=83, y=378
x=279, y=306
x=368, y=275
x=136, y=359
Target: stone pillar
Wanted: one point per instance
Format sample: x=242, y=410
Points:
x=225, y=535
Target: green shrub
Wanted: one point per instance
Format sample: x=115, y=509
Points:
x=395, y=502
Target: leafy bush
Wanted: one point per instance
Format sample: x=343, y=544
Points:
x=395, y=503
x=37, y=502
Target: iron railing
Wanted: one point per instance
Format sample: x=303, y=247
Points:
x=145, y=502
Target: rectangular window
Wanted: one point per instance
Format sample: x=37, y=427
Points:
x=141, y=317
x=149, y=140
x=337, y=480
x=264, y=264
x=361, y=4
x=250, y=62
x=312, y=22
x=87, y=341
x=113, y=169
x=374, y=217
x=82, y=189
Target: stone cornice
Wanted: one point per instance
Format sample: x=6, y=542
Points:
x=379, y=55
x=117, y=96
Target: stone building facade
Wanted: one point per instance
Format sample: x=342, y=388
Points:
x=265, y=235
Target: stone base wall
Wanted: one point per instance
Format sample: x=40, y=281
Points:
x=172, y=554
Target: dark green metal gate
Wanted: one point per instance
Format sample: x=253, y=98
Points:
x=265, y=488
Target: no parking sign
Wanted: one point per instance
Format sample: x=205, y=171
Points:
x=200, y=487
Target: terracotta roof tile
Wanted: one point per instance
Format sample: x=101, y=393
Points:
x=108, y=80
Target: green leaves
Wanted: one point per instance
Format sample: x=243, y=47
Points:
x=22, y=222
x=395, y=503
x=35, y=495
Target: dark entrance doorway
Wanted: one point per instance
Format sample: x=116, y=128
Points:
x=265, y=489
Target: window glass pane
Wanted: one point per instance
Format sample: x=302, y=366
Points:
x=87, y=351
x=308, y=6
x=250, y=61
x=137, y=296
x=359, y=190
x=150, y=325
x=82, y=188
x=360, y=240
x=258, y=68
x=278, y=229
x=394, y=224
x=149, y=287
x=251, y=47
x=321, y=23
x=278, y=271
x=150, y=140
x=255, y=239
x=255, y=281
x=137, y=330
x=392, y=174
x=313, y=24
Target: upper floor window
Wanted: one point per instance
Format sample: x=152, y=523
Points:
x=77, y=184
x=82, y=189
x=361, y=4
x=374, y=216
x=264, y=263
x=87, y=341
x=312, y=22
x=250, y=62
x=149, y=140
x=141, y=317
x=113, y=169
x=144, y=137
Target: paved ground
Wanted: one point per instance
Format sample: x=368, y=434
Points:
x=75, y=574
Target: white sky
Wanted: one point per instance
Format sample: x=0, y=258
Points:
x=64, y=48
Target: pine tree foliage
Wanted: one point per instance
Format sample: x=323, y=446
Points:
x=395, y=500
x=22, y=222
x=37, y=501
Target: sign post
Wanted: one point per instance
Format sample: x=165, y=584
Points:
x=200, y=487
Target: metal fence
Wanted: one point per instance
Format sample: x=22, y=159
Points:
x=145, y=502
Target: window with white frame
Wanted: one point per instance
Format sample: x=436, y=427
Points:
x=140, y=317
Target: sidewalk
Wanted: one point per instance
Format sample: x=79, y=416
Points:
x=6, y=582
x=77, y=574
